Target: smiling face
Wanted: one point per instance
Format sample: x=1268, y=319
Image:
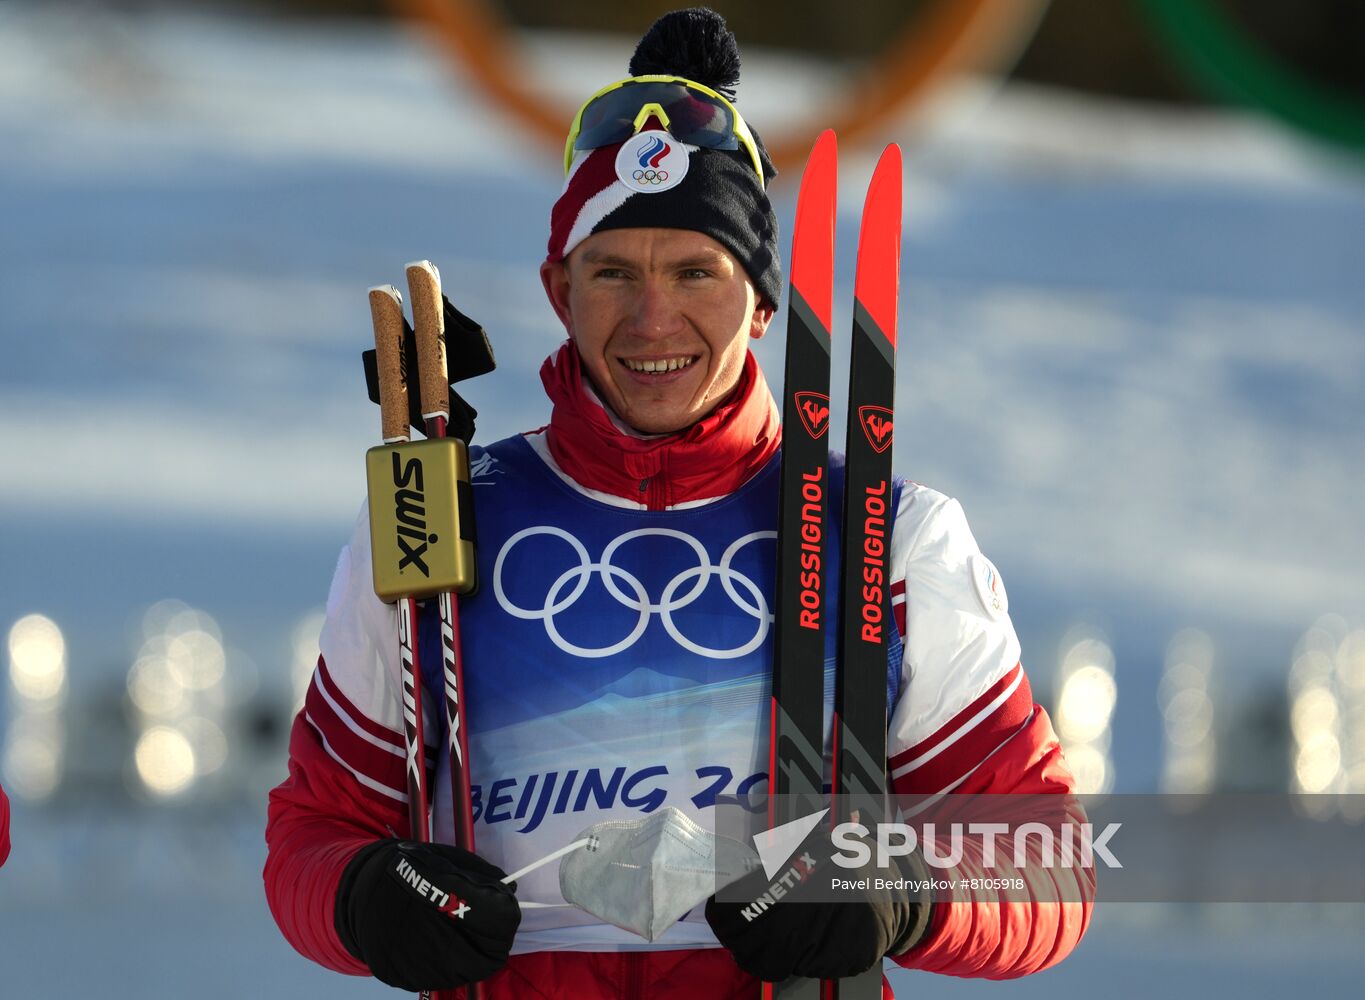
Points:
x=662, y=320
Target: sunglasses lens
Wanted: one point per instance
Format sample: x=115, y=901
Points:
x=701, y=122
x=693, y=117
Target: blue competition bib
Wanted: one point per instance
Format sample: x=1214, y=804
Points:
x=615, y=660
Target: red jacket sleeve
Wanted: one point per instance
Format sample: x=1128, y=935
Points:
x=4, y=827
x=964, y=725
x=976, y=934
x=319, y=817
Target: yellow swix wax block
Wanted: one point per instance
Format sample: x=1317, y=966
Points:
x=421, y=518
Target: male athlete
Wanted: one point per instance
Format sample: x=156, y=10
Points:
x=617, y=654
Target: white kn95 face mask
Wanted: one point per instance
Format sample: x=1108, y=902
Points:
x=645, y=875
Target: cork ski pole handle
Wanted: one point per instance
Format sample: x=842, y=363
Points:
x=428, y=323
x=386, y=310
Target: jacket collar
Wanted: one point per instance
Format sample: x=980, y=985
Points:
x=712, y=458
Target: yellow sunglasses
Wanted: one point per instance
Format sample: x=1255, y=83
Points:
x=691, y=112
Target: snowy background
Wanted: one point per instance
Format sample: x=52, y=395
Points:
x=1132, y=346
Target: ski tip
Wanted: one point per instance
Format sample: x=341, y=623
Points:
x=877, y=285
x=812, y=259
x=885, y=186
x=890, y=158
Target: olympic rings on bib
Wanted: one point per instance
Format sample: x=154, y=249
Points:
x=628, y=591
x=650, y=176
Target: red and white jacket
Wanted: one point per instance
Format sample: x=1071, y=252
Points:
x=964, y=719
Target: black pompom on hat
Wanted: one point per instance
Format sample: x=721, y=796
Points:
x=693, y=43
x=654, y=181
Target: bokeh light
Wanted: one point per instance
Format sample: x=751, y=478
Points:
x=177, y=686
x=1189, y=764
x=153, y=685
x=1087, y=695
x=33, y=752
x=1318, y=763
x=37, y=658
x=165, y=761
x=1314, y=710
x=1086, y=704
x=196, y=658
x=1350, y=680
x=1327, y=718
x=33, y=758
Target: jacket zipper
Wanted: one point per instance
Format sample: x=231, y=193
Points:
x=651, y=492
x=635, y=978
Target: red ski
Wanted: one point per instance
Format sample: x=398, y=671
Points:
x=796, y=742
x=859, y=777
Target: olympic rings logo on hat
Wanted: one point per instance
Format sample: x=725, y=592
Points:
x=652, y=161
x=569, y=586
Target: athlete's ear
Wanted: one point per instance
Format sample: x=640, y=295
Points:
x=763, y=315
x=554, y=275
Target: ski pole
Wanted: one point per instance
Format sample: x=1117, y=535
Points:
x=386, y=311
x=428, y=322
x=421, y=522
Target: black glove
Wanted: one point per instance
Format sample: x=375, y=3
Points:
x=426, y=916
x=804, y=933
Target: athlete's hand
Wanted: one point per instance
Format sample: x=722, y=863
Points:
x=425, y=916
x=801, y=930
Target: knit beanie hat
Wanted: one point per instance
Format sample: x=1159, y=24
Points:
x=654, y=180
